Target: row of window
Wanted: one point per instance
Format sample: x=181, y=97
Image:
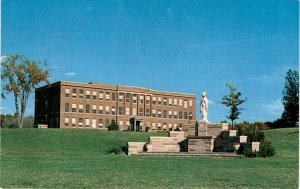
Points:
x=133, y=112
x=128, y=97
x=92, y=123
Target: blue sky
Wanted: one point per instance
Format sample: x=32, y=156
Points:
x=181, y=46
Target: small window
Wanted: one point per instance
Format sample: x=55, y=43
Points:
x=107, y=123
x=153, y=100
x=107, y=110
x=73, y=107
x=180, y=115
x=80, y=93
x=121, y=98
x=165, y=114
x=100, y=95
x=94, y=109
x=159, y=113
x=113, y=110
x=159, y=101
x=127, y=97
x=80, y=122
x=185, y=115
x=141, y=99
x=100, y=109
x=107, y=96
x=73, y=121
x=153, y=113
x=67, y=108
x=128, y=111
x=73, y=93
x=147, y=112
x=87, y=122
x=141, y=112
x=113, y=97
x=170, y=114
x=120, y=110
x=80, y=108
x=87, y=108
x=67, y=92
x=88, y=95
x=134, y=111
x=94, y=95
x=165, y=101
x=66, y=121
x=101, y=123
x=134, y=99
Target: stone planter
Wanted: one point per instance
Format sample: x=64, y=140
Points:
x=232, y=133
x=243, y=139
x=255, y=146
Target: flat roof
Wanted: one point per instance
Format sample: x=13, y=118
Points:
x=112, y=85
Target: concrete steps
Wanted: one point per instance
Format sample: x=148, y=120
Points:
x=186, y=154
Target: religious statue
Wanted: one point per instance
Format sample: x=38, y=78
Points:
x=204, y=107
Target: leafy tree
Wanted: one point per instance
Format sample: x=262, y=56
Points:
x=20, y=76
x=113, y=126
x=290, y=98
x=233, y=101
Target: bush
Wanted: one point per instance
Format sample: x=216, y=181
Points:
x=266, y=149
x=256, y=136
x=114, y=150
x=253, y=131
x=260, y=126
x=113, y=126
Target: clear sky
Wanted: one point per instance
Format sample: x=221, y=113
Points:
x=181, y=46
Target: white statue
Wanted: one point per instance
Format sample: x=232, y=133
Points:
x=204, y=107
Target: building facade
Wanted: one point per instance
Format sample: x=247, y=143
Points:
x=91, y=105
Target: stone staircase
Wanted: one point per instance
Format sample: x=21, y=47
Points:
x=212, y=139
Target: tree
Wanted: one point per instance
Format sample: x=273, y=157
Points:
x=20, y=76
x=290, y=99
x=233, y=101
x=113, y=126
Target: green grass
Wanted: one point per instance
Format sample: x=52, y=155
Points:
x=60, y=158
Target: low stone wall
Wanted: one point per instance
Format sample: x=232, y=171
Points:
x=200, y=144
x=189, y=130
x=135, y=147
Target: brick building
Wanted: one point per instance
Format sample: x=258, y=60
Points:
x=91, y=105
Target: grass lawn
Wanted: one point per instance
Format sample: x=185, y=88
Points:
x=61, y=158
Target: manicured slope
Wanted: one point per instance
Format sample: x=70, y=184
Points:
x=57, y=158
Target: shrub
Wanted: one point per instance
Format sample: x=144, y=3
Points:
x=260, y=126
x=256, y=136
x=266, y=149
x=114, y=150
x=177, y=129
x=113, y=126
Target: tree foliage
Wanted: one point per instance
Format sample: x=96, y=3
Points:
x=113, y=126
x=290, y=99
x=233, y=101
x=20, y=76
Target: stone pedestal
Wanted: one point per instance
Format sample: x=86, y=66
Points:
x=189, y=130
x=213, y=129
x=200, y=144
x=135, y=147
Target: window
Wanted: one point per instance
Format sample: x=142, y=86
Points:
x=66, y=121
x=94, y=95
x=128, y=123
x=147, y=99
x=153, y=113
x=185, y=115
x=134, y=98
x=165, y=101
x=190, y=103
x=164, y=126
x=134, y=111
x=120, y=110
x=67, y=108
x=107, y=110
x=170, y=114
x=80, y=108
x=190, y=115
x=73, y=93
x=73, y=107
x=113, y=97
x=159, y=113
x=175, y=102
x=80, y=93
x=67, y=92
x=94, y=123
x=88, y=95
x=113, y=110
x=153, y=126
x=141, y=99
x=180, y=126
x=147, y=112
x=170, y=126
x=121, y=98
x=73, y=122
x=107, y=123
x=127, y=111
x=175, y=125
x=94, y=109
x=180, y=102
x=159, y=101
x=153, y=100
x=185, y=103
x=165, y=114
x=170, y=101
x=141, y=112
x=87, y=108
x=100, y=122
x=100, y=109
x=107, y=96
x=159, y=126
x=87, y=122
x=127, y=97
x=80, y=122
x=121, y=123
x=175, y=114
x=100, y=95
x=180, y=115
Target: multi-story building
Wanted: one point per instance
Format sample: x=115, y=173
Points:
x=91, y=105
